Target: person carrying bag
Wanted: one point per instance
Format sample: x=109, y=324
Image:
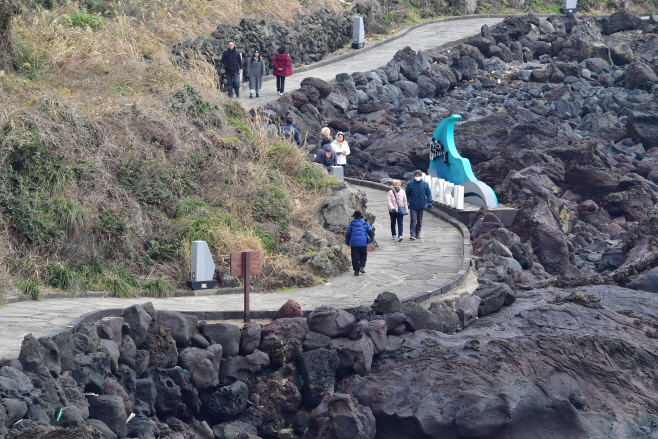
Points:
x=398, y=207
x=359, y=234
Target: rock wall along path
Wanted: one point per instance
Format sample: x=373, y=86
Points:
x=423, y=38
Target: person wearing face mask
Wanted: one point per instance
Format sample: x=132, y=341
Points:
x=398, y=207
x=420, y=198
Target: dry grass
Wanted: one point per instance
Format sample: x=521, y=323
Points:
x=95, y=98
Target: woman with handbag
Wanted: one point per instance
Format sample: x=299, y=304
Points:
x=398, y=207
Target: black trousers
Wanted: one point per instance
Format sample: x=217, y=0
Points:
x=280, y=83
x=233, y=83
x=359, y=257
x=396, y=218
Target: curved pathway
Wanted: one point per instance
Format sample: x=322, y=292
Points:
x=424, y=37
x=406, y=268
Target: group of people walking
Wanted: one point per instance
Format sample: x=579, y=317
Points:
x=233, y=65
x=332, y=153
x=412, y=201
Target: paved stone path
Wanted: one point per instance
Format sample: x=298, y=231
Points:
x=423, y=38
x=406, y=268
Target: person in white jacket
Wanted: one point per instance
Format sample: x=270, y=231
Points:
x=341, y=148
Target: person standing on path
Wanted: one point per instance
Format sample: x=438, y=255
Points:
x=282, y=68
x=341, y=148
x=256, y=72
x=232, y=62
x=359, y=234
x=398, y=207
x=420, y=198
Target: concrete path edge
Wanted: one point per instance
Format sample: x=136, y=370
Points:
x=236, y=315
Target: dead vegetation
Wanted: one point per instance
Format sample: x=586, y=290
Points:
x=113, y=160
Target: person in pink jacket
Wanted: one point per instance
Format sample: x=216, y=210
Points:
x=398, y=207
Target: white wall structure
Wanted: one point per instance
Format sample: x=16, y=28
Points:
x=446, y=193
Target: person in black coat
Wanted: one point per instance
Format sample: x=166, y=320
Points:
x=232, y=62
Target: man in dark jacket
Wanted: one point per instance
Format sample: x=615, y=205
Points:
x=290, y=132
x=359, y=235
x=326, y=155
x=420, y=198
x=232, y=62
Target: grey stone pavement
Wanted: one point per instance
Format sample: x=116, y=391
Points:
x=423, y=38
x=406, y=268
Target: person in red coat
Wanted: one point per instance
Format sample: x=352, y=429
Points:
x=282, y=68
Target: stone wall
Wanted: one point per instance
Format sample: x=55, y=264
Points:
x=307, y=38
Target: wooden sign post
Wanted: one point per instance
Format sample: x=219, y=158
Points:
x=245, y=264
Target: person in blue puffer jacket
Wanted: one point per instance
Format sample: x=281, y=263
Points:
x=359, y=234
x=419, y=196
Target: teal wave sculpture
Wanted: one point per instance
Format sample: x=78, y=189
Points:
x=446, y=163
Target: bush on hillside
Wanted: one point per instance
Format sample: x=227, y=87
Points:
x=6, y=46
x=134, y=187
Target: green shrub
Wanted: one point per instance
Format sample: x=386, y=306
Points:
x=25, y=60
x=80, y=19
x=190, y=101
x=121, y=284
x=267, y=238
x=154, y=182
x=119, y=287
x=271, y=204
x=30, y=288
x=241, y=126
x=234, y=110
x=190, y=206
x=92, y=268
x=36, y=166
x=111, y=222
x=158, y=288
x=62, y=276
x=70, y=216
x=315, y=178
x=161, y=251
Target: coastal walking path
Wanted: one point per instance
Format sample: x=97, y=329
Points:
x=405, y=268
x=425, y=37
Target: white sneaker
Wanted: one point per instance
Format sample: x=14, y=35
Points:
x=394, y=237
x=400, y=239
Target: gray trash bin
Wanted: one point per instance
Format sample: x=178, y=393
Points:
x=338, y=172
x=358, y=33
x=570, y=6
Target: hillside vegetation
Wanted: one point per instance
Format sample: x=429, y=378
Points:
x=112, y=160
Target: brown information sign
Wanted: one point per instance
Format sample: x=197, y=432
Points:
x=238, y=263
x=245, y=264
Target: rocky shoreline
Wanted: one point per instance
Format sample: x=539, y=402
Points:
x=559, y=117
x=543, y=363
